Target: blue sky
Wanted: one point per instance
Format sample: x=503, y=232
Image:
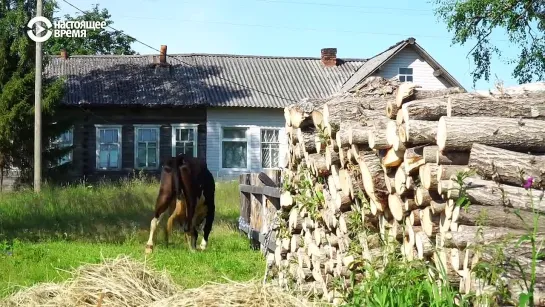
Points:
x=357, y=28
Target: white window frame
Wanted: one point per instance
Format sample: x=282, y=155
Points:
x=193, y=127
x=405, y=75
x=261, y=146
x=56, y=143
x=247, y=138
x=97, y=150
x=157, y=148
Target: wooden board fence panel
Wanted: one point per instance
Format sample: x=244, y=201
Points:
x=259, y=201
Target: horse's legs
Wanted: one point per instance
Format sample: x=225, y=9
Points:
x=210, y=213
x=161, y=205
x=191, y=238
x=177, y=214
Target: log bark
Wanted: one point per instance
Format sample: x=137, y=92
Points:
x=444, y=172
x=424, y=197
x=428, y=175
x=300, y=112
x=373, y=179
x=418, y=132
x=404, y=93
x=489, y=193
x=477, y=235
x=430, y=109
x=342, y=138
x=453, y=133
x=424, y=246
x=359, y=134
x=452, y=157
x=377, y=136
x=518, y=106
x=351, y=108
x=413, y=159
x=497, y=217
x=356, y=183
x=507, y=166
x=306, y=139
x=320, y=165
x=429, y=153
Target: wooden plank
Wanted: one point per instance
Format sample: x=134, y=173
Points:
x=245, y=207
x=267, y=191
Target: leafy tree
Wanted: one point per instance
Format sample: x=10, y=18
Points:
x=523, y=20
x=17, y=74
x=99, y=41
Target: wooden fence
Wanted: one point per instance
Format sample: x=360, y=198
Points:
x=259, y=201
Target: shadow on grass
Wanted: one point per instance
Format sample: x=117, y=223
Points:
x=103, y=213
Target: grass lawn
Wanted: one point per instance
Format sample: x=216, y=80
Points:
x=63, y=228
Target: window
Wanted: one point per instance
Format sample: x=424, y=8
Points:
x=66, y=139
x=405, y=74
x=146, y=143
x=184, y=139
x=234, y=147
x=108, y=147
x=270, y=148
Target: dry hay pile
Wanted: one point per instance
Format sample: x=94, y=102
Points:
x=123, y=282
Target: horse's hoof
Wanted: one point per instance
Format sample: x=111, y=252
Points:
x=149, y=249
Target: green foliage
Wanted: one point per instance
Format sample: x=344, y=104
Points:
x=401, y=284
x=462, y=200
x=17, y=75
x=99, y=41
x=523, y=21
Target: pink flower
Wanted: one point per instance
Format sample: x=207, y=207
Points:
x=528, y=183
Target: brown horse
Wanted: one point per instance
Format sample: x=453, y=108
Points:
x=187, y=189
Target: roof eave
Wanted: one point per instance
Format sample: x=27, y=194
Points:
x=435, y=65
x=400, y=47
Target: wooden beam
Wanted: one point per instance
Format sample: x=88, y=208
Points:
x=267, y=191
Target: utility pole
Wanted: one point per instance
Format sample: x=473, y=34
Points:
x=38, y=110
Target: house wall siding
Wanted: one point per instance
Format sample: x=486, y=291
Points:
x=84, y=152
x=422, y=71
x=254, y=119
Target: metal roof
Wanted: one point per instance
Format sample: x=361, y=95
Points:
x=215, y=80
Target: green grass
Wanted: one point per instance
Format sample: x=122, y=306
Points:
x=65, y=227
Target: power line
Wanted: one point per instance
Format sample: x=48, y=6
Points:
x=188, y=64
x=284, y=27
x=294, y=28
x=342, y=5
x=327, y=4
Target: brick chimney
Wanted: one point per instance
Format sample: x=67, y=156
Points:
x=163, y=55
x=329, y=57
x=64, y=54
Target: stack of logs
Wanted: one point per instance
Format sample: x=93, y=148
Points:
x=384, y=164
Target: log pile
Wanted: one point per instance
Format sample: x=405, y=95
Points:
x=380, y=167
